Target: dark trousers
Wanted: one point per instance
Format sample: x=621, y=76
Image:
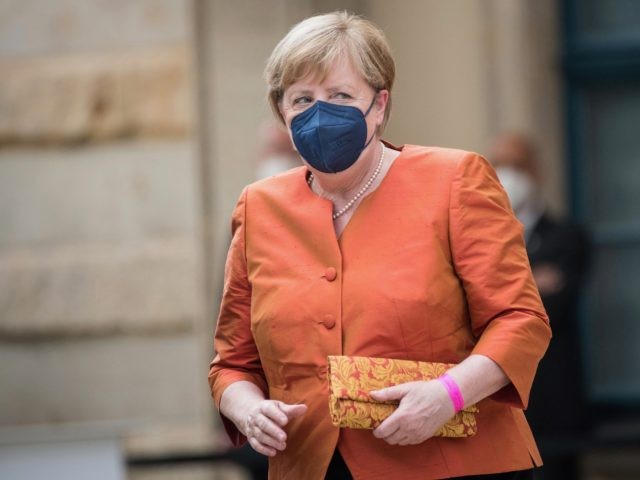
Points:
x=338, y=471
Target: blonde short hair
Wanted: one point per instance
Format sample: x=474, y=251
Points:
x=313, y=45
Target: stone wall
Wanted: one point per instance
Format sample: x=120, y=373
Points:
x=80, y=97
x=101, y=270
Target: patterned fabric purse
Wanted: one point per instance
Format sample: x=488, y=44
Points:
x=352, y=378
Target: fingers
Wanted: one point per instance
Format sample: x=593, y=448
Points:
x=261, y=448
x=390, y=393
x=292, y=411
x=394, y=435
x=263, y=429
x=417, y=417
x=273, y=411
x=264, y=426
x=387, y=428
x=395, y=431
x=391, y=425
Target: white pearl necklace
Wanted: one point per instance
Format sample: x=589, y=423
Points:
x=362, y=191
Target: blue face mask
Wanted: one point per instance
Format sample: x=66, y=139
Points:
x=330, y=137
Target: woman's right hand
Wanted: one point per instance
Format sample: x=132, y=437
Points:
x=261, y=421
x=264, y=424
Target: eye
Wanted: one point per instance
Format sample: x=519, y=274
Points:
x=303, y=100
x=342, y=96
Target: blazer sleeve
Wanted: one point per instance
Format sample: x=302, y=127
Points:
x=507, y=316
x=236, y=353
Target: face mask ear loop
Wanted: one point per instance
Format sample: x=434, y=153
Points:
x=365, y=116
x=371, y=105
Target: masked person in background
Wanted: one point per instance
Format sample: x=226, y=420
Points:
x=276, y=153
x=373, y=250
x=558, y=252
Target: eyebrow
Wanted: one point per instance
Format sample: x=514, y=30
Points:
x=333, y=89
x=296, y=92
x=342, y=86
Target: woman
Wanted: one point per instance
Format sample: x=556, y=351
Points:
x=373, y=250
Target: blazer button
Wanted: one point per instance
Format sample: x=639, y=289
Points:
x=329, y=321
x=330, y=274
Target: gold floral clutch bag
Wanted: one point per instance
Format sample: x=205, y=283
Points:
x=352, y=378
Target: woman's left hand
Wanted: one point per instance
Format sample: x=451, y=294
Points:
x=424, y=408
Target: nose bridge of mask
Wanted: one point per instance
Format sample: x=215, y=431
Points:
x=332, y=111
x=341, y=111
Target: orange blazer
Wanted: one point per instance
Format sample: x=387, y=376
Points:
x=431, y=266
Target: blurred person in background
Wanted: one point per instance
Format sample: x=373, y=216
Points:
x=379, y=251
x=275, y=151
x=558, y=252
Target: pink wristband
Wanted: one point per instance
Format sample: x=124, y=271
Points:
x=454, y=392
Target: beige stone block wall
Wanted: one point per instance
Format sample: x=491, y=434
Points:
x=97, y=97
x=140, y=380
x=78, y=71
x=151, y=288
x=101, y=256
x=99, y=240
x=34, y=27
